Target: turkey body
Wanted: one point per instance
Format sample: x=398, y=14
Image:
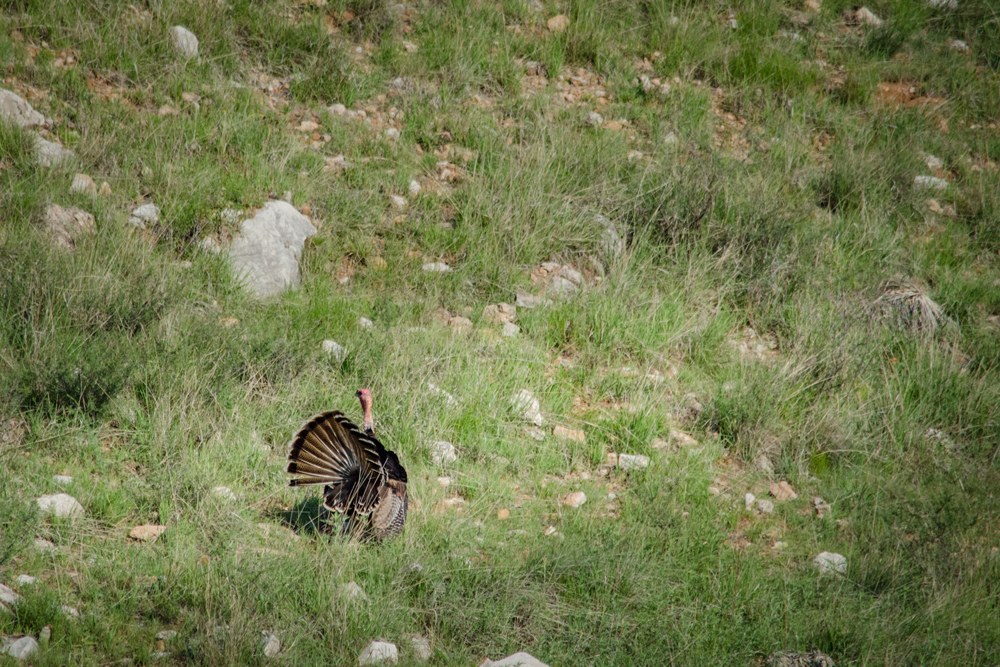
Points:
x=361, y=478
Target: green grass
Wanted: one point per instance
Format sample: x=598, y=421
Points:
x=784, y=201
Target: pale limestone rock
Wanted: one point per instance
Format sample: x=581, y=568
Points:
x=266, y=252
x=60, y=505
x=379, y=653
x=184, y=41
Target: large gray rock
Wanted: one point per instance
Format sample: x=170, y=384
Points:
x=8, y=595
x=51, y=154
x=61, y=505
x=65, y=226
x=379, y=653
x=20, y=649
x=520, y=659
x=184, y=41
x=15, y=109
x=266, y=252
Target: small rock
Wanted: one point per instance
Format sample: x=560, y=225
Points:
x=517, y=660
x=444, y=481
x=379, y=653
x=612, y=243
x=765, y=506
x=398, y=203
x=15, y=109
x=210, y=245
x=83, y=184
x=392, y=134
x=105, y=190
x=353, y=592
x=943, y=4
x=45, y=635
x=65, y=226
x=733, y=24
x=783, y=491
x=45, y=546
x=270, y=645
x=529, y=301
x=510, y=330
x=62, y=479
x=535, y=433
x=365, y=323
x=529, y=407
x=503, y=514
x=166, y=635
x=933, y=163
x=682, y=439
x=714, y=490
x=184, y=41
x=749, y=499
x=51, y=154
x=551, y=530
x=23, y=579
x=500, y=313
x=443, y=453
x=438, y=391
x=659, y=444
x=822, y=508
x=22, y=648
x=558, y=23
x=8, y=596
x=308, y=126
x=72, y=612
x=569, y=434
x=223, y=493
x=594, y=119
x=422, y=648
x=460, y=323
x=831, y=563
x=671, y=139
x=958, y=45
x=764, y=464
x=337, y=109
x=146, y=532
x=410, y=47
x=166, y=110
x=633, y=461
x=929, y=183
x=574, y=499
x=60, y=505
x=436, y=267
x=793, y=659
x=865, y=16
x=146, y=213
x=335, y=350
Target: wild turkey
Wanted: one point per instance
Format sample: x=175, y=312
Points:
x=361, y=477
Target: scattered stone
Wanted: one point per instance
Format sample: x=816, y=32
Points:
x=933, y=163
x=438, y=391
x=15, y=109
x=337, y=109
x=659, y=444
x=166, y=635
x=733, y=24
x=379, y=653
x=671, y=139
x=765, y=506
x=62, y=479
x=51, y=154
x=146, y=213
x=147, y=532
x=410, y=47
x=335, y=350
x=8, y=596
x=612, y=243
x=503, y=514
x=943, y=4
x=569, y=434
x=748, y=500
x=22, y=648
x=551, y=530
x=633, y=461
x=783, y=491
x=184, y=41
x=575, y=499
x=831, y=563
x=83, y=184
x=510, y=330
x=365, y=323
x=223, y=493
x=353, y=592
x=267, y=250
x=443, y=453
x=558, y=23
x=682, y=439
x=422, y=648
x=166, y=110
x=105, y=190
x=517, y=660
x=460, y=323
x=793, y=659
x=60, y=505
x=65, y=226
x=413, y=188
x=392, y=134
x=594, y=119
x=763, y=463
x=529, y=407
x=43, y=545
x=633, y=156
x=72, y=612
x=529, y=301
x=535, y=433
x=270, y=645
x=865, y=16
x=929, y=183
x=398, y=203
x=444, y=481
x=958, y=45
x=436, y=267
x=714, y=490
x=45, y=635
x=500, y=313
x=23, y=579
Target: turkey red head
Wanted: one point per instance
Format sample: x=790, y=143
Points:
x=367, y=423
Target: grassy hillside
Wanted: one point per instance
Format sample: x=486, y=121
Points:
x=787, y=303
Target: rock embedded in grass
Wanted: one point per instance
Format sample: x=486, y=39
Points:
x=15, y=109
x=565, y=433
x=21, y=648
x=500, y=313
x=633, y=461
x=147, y=213
x=147, y=532
x=379, y=653
x=223, y=493
x=270, y=645
x=51, y=154
x=529, y=407
x=422, y=649
x=558, y=23
x=266, y=252
x=8, y=596
x=929, y=183
x=443, y=453
x=66, y=226
x=575, y=499
x=351, y=591
x=831, y=563
x=184, y=41
x=594, y=119
x=43, y=545
x=783, y=491
x=510, y=330
x=23, y=579
x=516, y=660
x=436, y=267
x=83, y=184
x=60, y=505
x=335, y=350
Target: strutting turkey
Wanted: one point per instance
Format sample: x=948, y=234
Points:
x=362, y=478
